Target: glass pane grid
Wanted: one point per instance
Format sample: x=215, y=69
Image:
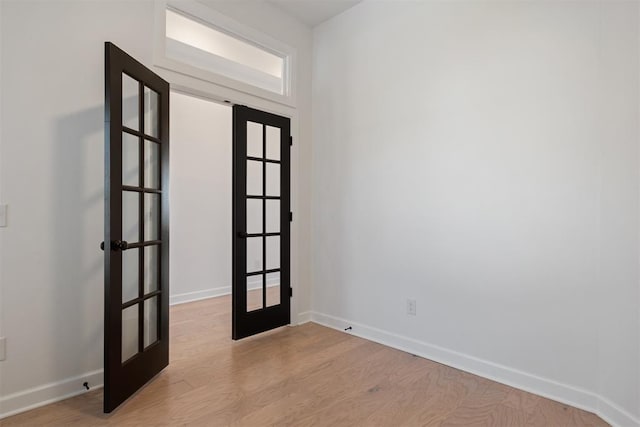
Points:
x=151, y=218
x=140, y=218
x=151, y=112
x=150, y=319
x=254, y=178
x=273, y=143
x=254, y=140
x=273, y=289
x=272, y=252
x=130, y=275
x=130, y=102
x=255, y=300
x=130, y=162
x=151, y=164
x=263, y=216
x=151, y=269
x=130, y=216
x=129, y=332
x=272, y=179
x=254, y=254
x=254, y=216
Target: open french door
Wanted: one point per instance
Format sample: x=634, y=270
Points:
x=136, y=237
x=261, y=201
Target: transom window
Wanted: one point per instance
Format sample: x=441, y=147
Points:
x=200, y=44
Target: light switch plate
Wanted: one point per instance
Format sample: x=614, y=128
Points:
x=3, y=215
x=3, y=348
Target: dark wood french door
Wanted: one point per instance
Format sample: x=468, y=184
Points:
x=261, y=202
x=136, y=236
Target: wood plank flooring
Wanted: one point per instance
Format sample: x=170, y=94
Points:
x=307, y=375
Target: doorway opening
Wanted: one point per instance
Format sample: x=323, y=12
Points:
x=230, y=195
x=200, y=198
x=231, y=203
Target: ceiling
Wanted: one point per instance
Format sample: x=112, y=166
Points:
x=314, y=12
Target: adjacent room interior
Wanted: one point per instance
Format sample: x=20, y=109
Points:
x=327, y=212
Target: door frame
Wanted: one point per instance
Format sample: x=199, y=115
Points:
x=192, y=86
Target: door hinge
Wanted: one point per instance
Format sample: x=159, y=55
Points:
x=290, y=141
x=290, y=292
x=290, y=216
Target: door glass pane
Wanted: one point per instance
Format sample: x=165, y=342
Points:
x=130, y=97
x=151, y=165
x=129, y=332
x=273, y=179
x=254, y=139
x=130, y=155
x=273, y=143
x=254, y=292
x=130, y=274
x=254, y=178
x=273, y=216
x=254, y=216
x=130, y=219
x=151, y=112
x=273, y=252
x=273, y=289
x=151, y=279
x=254, y=254
x=150, y=321
x=151, y=216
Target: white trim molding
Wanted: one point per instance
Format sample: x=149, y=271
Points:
x=570, y=395
x=49, y=393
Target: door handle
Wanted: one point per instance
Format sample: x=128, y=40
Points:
x=242, y=234
x=117, y=245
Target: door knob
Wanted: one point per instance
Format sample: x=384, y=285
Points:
x=117, y=245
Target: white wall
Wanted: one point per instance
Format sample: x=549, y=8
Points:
x=618, y=290
x=51, y=175
x=52, y=178
x=201, y=160
x=1, y=195
x=482, y=158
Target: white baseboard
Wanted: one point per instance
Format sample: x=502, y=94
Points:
x=49, y=393
x=580, y=398
x=216, y=292
x=199, y=295
x=564, y=393
x=54, y=392
x=615, y=415
x=304, y=317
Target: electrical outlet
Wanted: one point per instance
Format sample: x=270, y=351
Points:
x=3, y=348
x=411, y=307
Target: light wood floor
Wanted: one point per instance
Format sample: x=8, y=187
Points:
x=301, y=376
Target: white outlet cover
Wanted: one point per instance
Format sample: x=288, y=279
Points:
x=411, y=307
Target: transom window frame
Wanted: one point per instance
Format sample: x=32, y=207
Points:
x=206, y=15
